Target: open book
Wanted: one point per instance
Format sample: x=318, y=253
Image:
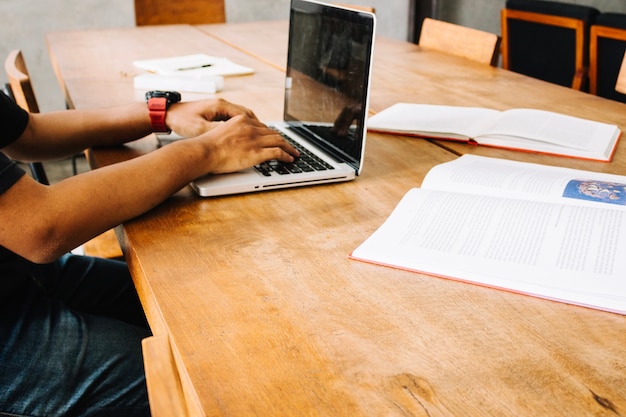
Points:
x=517, y=129
x=545, y=231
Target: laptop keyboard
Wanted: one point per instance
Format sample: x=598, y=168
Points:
x=306, y=162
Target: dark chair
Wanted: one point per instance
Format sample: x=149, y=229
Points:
x=548, y=40
x=607, y=47
x=620, y=84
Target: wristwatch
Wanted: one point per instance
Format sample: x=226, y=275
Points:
x=158, y=103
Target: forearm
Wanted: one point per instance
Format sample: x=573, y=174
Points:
x=50, y=220
x=63, y=133
x=80, y=207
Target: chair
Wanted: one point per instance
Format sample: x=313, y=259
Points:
x=547, y=40
x=454, y=39
x=357, y=7
x=165, y=388
x=36, y=168
x=169, y=12
x=606, y=52
x=620, y=84
x=20, y=88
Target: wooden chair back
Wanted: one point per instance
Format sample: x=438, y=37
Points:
x=548, y=46
x=165, y=389
x=19, y=80
x=20, y=89
x=606, y=52
x=454, y=39
x=169, y=12
x=357, y=7
x=36, y=168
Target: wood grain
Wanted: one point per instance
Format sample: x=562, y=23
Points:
x=264, y=312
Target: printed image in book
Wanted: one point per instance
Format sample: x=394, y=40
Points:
x=600, y=191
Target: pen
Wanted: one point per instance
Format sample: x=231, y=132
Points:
x=194, y=67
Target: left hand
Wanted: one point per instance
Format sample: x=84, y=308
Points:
x=193, y=118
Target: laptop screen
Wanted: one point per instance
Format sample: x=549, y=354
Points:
x=328, y=72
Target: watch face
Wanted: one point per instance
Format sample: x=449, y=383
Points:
x=171, y=96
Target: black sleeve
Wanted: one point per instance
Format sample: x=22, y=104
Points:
x=13, y=120
x=10, y=172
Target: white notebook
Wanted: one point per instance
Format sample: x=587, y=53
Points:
x=196, y=65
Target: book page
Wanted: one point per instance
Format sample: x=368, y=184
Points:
x=550, y=131
x=504, y=178
x=432, y=120
x=516, y=129
x=562, y=252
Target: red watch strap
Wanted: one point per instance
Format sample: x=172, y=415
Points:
x=157, y=106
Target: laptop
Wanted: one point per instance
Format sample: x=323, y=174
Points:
x=329, y=61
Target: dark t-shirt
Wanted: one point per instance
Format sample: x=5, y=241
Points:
x=13, y=120
x=13, y=268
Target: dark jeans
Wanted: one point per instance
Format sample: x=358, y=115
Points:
x=70, y=342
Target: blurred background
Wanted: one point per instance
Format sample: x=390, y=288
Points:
x=27, y=21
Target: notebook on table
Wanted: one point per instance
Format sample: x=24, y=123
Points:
x=329, y=62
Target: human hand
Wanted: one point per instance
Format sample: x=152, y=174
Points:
x=193, y=118
x=241, y=142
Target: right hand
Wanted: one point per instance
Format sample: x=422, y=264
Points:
x=241, y=142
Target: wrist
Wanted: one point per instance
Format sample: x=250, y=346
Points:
x=196, y=155
x=158, y=103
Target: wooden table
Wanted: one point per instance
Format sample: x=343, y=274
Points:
x=404, y=72
x=256, y=308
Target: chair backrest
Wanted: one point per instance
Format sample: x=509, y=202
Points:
x=20, y=89
x=169, y=12
x=357, y=7
x=547, y=40
x=454, y=39
x=620, y=84
x=606, y=52
x=20, y=82
x=163, y=381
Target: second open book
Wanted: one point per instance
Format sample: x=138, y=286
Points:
x=519, y=129
x=550, y=232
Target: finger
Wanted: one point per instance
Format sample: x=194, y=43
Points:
x=226, y=110
x=277, y=140
x=275, y=153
